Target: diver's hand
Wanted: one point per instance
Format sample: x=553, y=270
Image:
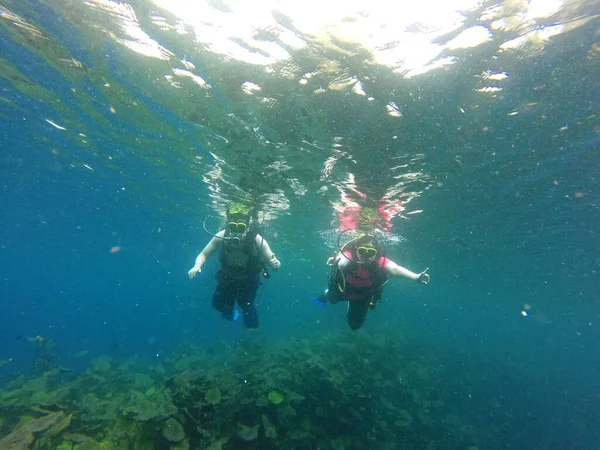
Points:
x=333, y=260
x=193, y=271
x=274, y=263
x=424, y=277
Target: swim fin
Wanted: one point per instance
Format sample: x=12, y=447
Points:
x=321, y=299
x=233, y=315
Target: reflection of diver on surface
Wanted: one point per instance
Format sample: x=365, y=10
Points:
x=359, y=272
x=243, y=254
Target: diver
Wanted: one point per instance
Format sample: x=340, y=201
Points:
x=359, y=272
x=243, y=254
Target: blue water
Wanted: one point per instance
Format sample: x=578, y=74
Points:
x=97, y=232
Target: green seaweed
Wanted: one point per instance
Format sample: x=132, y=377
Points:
x=173, y=431
x=213, y=396
x=275, y=397
x=247, y=433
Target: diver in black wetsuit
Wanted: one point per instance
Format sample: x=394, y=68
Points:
x=242, y=253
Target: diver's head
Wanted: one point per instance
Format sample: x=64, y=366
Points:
x=238, y=208
x=366, y=248
x=238, y=222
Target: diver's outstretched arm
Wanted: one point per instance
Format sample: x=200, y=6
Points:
x=394, y=270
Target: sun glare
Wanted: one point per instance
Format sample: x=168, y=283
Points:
x=409, y=37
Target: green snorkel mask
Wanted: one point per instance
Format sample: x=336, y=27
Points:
x=238, y=222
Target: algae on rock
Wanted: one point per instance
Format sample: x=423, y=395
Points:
x=173, y=431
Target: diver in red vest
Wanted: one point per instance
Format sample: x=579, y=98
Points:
x=359, y=271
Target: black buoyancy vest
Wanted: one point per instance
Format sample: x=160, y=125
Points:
x=250, y=250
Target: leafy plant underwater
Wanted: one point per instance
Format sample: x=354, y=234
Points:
x=340, y=391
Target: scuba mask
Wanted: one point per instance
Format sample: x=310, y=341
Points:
x=238, y=226
x=366, y=251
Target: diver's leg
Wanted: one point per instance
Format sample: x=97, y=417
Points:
x=334, y=295
x=245, y=298
x=357, y=311
x=223, y=298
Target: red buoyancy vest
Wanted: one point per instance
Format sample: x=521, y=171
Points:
x=360, y=280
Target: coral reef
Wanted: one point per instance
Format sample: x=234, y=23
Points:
x=335, y=392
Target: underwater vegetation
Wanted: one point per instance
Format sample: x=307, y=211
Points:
x=338, y=391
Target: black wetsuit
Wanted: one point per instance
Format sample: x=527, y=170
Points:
x=237, y=280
